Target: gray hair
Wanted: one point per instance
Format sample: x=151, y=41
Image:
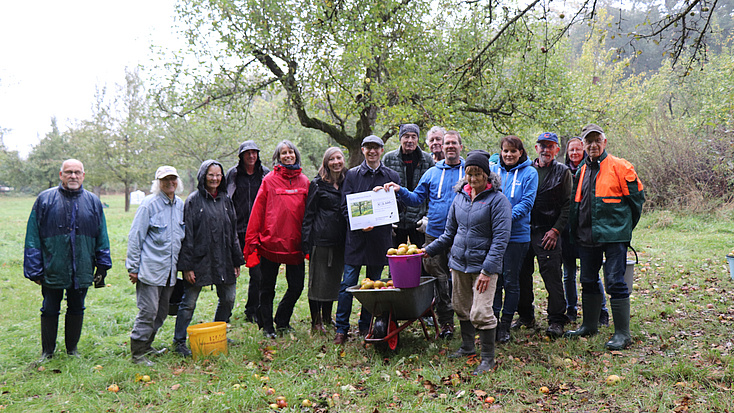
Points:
x=276, y=154
x=61, y=168
x=435, y=129
x=155, y=186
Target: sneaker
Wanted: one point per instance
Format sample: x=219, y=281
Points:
x=520, y=322
x=554, y=330
x=604, y=318
x=285, y=330
x=251, y=318
x=182, y=349
x=447, y=331
x=340, y=339
x=143, y=361
x=269, y=334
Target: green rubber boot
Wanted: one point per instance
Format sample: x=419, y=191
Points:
x=591, y=304
x=467, y=341
x=621, y=315
x=487, y=338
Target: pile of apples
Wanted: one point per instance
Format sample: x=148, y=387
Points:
x=368, y=284
x=731, y=254
x=405, y=249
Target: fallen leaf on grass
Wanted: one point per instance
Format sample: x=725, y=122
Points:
x=175, y=387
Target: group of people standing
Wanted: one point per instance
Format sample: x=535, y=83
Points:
x=482, y=225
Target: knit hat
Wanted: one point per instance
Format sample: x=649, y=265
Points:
x=409, y=127
x=478, y=158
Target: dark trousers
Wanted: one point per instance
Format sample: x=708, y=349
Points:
x=253, y=288
x=549, y=265
x=52, y=298
x=592, y=258
x=295, y=276
x=402, y=235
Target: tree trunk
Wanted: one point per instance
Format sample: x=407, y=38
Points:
x=127, y=196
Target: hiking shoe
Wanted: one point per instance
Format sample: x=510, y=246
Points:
x=182, y=349
x=340, y=339
x=554, y=330
x=447, y=331
x=520, y=322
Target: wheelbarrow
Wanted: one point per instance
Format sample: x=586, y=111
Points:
x=391, y=305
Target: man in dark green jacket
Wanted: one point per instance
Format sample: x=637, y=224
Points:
x=606, y=205
x=66, y=239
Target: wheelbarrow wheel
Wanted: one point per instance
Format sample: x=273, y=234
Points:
x=391, y=344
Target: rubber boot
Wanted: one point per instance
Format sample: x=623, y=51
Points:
x=73, y=330
x=591, y=305
x=467, y=341
x=49, y=329
x=487, y=337
x=621, y=315
x=139, y=349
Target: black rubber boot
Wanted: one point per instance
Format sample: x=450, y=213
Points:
x=591, y=304
x=49, y=329
x=73, y=330
x=621, y=315
x=487, y=337
x=467, y=341
x=139, y=349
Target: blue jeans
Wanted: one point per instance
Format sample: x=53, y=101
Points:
x=226, y=294
x=592, y=259
x=570, y=253
x=52, y=298
x=509, y=281
x=344, y=303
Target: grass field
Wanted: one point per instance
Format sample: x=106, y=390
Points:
x=682, y=358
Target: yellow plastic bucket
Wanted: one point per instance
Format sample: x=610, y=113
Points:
x=208, y=339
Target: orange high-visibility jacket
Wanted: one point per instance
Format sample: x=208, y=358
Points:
x=618, y=199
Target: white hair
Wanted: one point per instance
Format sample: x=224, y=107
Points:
x=155, y=187
x=61, y=169
x=435, y=129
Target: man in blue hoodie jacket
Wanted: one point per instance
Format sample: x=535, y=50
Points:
x=436, y=186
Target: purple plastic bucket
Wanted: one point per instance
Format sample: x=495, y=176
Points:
x=405, y=270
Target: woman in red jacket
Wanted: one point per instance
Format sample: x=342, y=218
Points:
x=274, y=236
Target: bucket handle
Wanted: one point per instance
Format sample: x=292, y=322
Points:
x=637, y=259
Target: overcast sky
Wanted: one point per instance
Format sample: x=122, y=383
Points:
x=53, y=54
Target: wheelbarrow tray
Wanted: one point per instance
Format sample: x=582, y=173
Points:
x=404, y=303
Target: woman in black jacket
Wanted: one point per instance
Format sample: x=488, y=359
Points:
x=323, y=234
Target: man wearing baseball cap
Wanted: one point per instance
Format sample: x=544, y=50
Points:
x=548, y=218
x=152, y=255
x=606, y=205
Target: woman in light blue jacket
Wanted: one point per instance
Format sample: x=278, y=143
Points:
x=519, y=184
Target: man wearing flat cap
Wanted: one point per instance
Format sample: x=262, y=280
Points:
x=548, y=218
x=607, y=201
x=366, y=246
x=152, y=255
x=410, y=162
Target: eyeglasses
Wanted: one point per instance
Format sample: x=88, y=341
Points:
x=70, y=173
